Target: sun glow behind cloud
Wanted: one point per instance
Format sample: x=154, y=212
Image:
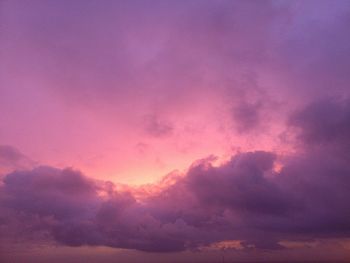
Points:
x=210, y=126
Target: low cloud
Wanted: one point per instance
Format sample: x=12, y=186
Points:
x=242, y=199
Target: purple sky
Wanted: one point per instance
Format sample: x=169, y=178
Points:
x=174, y=131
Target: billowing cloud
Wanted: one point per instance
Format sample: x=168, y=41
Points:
x=129, y=90
x=242, y=199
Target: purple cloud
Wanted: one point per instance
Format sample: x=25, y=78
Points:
x=12, y=159
x=242, y=199
x=324, y=123
x=171, y=59
x=156, y=127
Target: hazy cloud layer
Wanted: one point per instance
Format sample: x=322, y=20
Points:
x=195, y=76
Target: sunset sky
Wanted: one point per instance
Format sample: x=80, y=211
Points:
x=174, y=131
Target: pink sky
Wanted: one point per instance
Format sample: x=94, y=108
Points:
x=130, y=100
x=128, y=92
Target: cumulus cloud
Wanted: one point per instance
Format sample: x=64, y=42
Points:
x=172, y=57
x=243, y=199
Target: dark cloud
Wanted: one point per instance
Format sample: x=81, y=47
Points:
x=100, y=52
x=323, y=123
x=242, y=199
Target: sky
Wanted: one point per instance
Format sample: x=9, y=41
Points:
x=174, y=131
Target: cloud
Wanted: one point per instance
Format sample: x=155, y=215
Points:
x=10, y=154
x=246, y=116
x=171, y=57
x=314, y=49
x=12, y=159
x=156, y=127
x=323, y=123
x=243, y=199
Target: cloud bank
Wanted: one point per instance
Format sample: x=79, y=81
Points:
x=243, y=199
